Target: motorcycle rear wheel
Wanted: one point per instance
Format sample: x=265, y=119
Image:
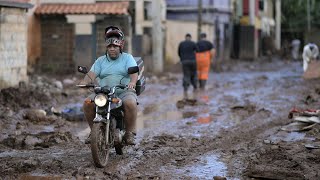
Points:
x=99, y=147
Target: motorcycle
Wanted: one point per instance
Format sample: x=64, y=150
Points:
x=108, y=127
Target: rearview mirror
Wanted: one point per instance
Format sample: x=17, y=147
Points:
x=132, y=70
x=82, y=69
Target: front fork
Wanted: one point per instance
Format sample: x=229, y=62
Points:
x=99, y=119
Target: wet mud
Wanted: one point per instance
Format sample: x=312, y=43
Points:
x=236, y=129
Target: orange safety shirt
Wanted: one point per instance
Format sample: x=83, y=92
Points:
x=203, y=64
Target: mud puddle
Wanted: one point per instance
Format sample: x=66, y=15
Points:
x=204, y=167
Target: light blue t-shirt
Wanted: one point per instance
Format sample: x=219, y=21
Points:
x=113, y=72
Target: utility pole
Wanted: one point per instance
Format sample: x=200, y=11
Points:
x=157, y=37
x=199, y=18
x=252, y=19
x=278, y=24
x=252, y=14
x=139, y=16
x=308, y=15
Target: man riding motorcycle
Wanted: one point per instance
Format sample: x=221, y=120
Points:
x=112, y=69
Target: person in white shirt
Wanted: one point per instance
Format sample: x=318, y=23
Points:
x=295, y=46
x=310, y=52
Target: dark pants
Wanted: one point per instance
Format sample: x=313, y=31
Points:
x=202, y=84
x=189, y=74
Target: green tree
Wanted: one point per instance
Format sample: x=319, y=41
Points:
x=295, y=15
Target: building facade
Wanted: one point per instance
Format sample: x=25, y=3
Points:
x=13, y=43
x=254, y=28
x=65, y=34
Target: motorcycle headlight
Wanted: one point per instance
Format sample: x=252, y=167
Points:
x=100, y=100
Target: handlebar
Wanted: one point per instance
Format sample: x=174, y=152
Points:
x=85, y=85
x=122, y=86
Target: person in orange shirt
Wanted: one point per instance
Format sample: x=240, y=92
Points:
x=205, y=53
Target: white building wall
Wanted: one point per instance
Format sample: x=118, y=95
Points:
x=222, y=4
x=13, y=46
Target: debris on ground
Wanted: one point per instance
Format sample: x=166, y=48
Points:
x=305, y=115
x=304, y=119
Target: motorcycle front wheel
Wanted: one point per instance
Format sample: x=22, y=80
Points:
x=99, y=145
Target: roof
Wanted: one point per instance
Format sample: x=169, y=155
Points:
x=16, y=3
x=22, y=1
x=114, y=8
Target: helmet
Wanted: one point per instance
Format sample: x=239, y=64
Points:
x=113, y=35
x=113, y=31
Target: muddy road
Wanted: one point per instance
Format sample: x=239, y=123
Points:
x=237, y=129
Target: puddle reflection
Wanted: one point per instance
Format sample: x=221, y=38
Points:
x=204, y=119
x=153, y=118
x=204, y=98
x=208, y=167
